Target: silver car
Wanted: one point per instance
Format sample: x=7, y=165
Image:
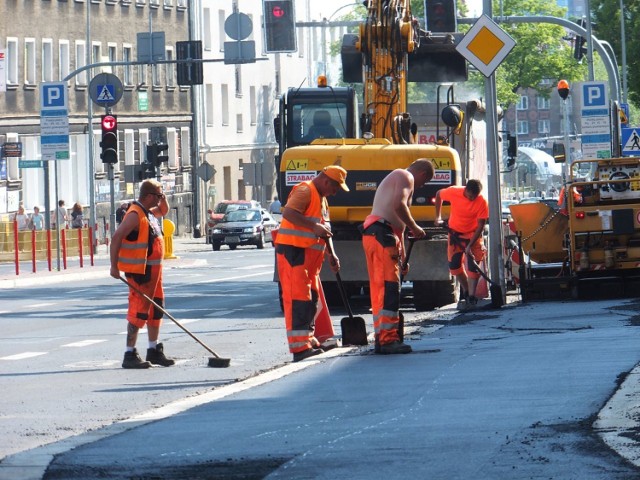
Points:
x=243, y=227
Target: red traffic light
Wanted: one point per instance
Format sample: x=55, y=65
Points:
x=278, y=11
x=109, y=122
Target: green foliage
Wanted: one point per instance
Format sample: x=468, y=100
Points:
x=606, y=16
x=540, y=52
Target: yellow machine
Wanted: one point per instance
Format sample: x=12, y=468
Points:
x=596, y=235
x=384, y=50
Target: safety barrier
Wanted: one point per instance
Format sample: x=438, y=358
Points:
x=42, y=245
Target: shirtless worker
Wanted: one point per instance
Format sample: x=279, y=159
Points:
x=383, y=242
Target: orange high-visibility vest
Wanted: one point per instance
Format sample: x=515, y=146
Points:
x=317, y=211
x=132, y=257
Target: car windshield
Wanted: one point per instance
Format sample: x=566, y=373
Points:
x=242, y=216
x=221, y=208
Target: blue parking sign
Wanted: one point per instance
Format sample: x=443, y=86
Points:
x=594, y=94
x=53, y=96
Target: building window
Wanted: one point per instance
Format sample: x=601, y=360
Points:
x=30, y=61
x=544, y=126
x=64, y=60
x=155, y=76
x=168, y=4
x=12, y=61
x=141, y=3
x=225, y=104
x=221, y=35
x=209, y=105
x=96, y=55
x=172, y=151
x=81, y=61
x=182, y=4
x=47, y=60
x=238, y=82
x=129, y=147
x=154, y=3
x=170, y=69
x=523, y=103
x=239, y=123
x=523, y=127
x=266, y=105
x=127, y=52
x=206, y=29
x=142, y=76
x=253, y=108
x=543, y=103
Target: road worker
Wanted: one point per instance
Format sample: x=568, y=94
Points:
x=137, y=248
x=468, y=215
x=300, y=251
x=383, y=243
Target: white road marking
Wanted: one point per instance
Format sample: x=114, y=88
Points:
x=251, y=267
x=22, y=356
x=38, y=305
x=83, y=343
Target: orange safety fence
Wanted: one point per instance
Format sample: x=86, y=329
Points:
x=18, y=246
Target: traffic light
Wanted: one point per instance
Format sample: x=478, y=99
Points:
x=154, y=154
x=442, y=16
x=512, y=150
x=279, y=26
x=109, y=143
x=148, y=171
x=563, y=89
x=579, y=48
x=189, y=73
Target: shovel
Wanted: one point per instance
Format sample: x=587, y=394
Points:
x=354, y=331
x=495, y=289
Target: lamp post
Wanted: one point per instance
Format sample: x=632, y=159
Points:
x=327, y=23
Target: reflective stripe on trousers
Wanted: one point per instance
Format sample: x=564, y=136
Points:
x=299, y=274
x=383, y=264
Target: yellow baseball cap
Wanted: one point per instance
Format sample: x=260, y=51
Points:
x=339, y=174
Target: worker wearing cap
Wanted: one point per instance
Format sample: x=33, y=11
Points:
x=300, y=251
x=468, y=215
x=383, y=243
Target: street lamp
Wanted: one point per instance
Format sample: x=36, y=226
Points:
x=327, y=23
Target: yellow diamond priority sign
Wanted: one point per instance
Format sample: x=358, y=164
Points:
x=486, y=45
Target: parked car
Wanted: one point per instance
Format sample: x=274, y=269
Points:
x=552, y=202
x=226, y=206
x=244, y=226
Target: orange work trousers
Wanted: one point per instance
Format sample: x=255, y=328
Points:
x=382, y=250
x=140, y=311
x=299, y=274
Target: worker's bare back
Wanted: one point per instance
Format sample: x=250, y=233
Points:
x=393, y=193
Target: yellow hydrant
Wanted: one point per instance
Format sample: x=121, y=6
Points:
x=168, y=228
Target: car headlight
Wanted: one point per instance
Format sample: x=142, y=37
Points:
x=249, y=230
x=217, y=230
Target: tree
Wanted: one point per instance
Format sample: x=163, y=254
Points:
x=606, y=16
x=541, y=52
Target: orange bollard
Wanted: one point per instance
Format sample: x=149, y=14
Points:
x=324, y=327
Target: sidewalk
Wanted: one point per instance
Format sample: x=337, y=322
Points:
x=100, y=268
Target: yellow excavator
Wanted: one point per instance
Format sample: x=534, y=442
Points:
x=389, y=49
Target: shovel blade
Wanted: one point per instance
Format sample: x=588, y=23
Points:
x=354, y=331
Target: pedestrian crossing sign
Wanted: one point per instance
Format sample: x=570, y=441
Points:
x=631, y=141
x=106, y=93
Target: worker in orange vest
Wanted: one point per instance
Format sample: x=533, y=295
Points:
x=300, y=251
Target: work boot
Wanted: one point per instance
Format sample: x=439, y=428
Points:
x=133, y=360
x=472, y=301
x=157, y=357
x=309, y=352
x=395, y=347
x=463, y=303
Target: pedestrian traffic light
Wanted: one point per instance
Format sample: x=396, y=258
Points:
x=154, y=154
x=109, y=143
x=442, y=16
x=148, y=170
x=279, y=26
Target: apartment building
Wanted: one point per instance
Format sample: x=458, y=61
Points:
x=49, y=40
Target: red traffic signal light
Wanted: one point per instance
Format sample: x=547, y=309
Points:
x=442, y=16
x=109, y=143
x=279, y=26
